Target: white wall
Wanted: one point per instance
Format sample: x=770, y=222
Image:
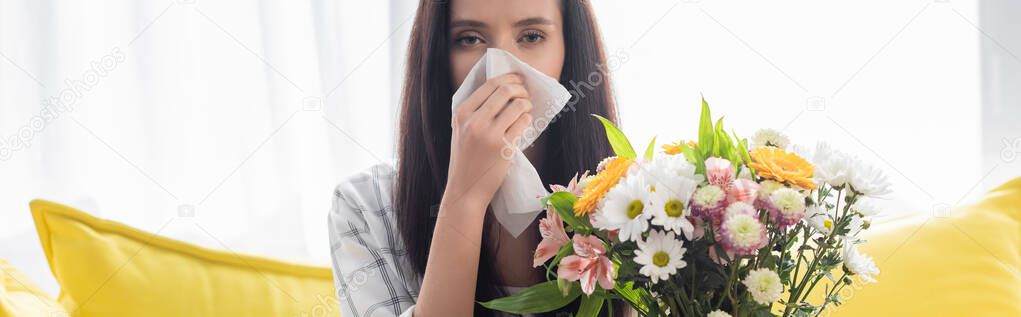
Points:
x=1001, y=89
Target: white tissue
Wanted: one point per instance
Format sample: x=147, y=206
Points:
x=516, y=203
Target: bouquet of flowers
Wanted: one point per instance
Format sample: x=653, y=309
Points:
x=714, y=227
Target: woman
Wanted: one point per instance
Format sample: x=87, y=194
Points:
x=418, y=240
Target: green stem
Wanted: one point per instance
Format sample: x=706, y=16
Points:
x=835, y=290
x=673, y=305
x=730, y=280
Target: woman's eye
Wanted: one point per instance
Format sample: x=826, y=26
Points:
x=533, y=37
x=469, y=40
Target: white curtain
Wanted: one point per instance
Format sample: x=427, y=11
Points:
x=221, y=123
x=228, y=123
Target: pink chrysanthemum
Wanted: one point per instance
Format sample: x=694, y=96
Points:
x=743, y=190
x=786, y=207
x=708, y=201
x=766, y=188
x=739, y=208
x=742, y=234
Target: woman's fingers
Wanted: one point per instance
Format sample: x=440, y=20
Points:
x=511, y=112
x=479, y=97
x=518, y=127
x=501, y=98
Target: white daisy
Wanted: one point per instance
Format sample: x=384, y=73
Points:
x=718, y=313
x=858, y=263
x=626, y=207
x=660, y=255
x=764, y=286
x=769, y=137
x=869, y=180
x=670, y=205
x=819, y=219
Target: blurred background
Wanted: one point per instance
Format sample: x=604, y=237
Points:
x=227, y=124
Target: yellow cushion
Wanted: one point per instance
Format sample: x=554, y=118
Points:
x=968, y=264
x=19, y=297
x=106, y=268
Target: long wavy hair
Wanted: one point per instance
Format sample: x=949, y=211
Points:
x=574, y=138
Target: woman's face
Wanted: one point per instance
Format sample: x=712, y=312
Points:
x=532, y=30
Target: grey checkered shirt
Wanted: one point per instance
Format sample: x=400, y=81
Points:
x=371, y=269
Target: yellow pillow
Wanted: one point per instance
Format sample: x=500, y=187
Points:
x=19, y=297
x=967, y=264
x=106, y=269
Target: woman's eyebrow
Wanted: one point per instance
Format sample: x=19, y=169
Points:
x=467, y=23
x=533, y=21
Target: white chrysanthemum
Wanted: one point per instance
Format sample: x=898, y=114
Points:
x=665, y=167
x=855, y=226
x=626, y=207
x=869, y=180
x=769, y=137
x=670, y=205
x=832, y=166
x=819, y=219
x=764, y=286
x=858, y=263
x=867, y=207
x=660, y=255
x=718, y=313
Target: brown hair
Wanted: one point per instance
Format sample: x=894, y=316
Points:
x=574, y=138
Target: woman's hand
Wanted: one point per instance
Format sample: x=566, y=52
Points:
x=484, y=126
x=492, y=118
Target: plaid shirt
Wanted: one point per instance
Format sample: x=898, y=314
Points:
x=371, y=270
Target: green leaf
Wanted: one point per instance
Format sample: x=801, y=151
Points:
x=563, y=203
x=649, y=150
x=705, y=130
x=621, y=146
x=720, y=140
x=630, y=294
x=695, y=157
x=565, y=250
x=590, y=306
x=539, y=298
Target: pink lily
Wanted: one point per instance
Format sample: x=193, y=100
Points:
x=719, y=171
x=588, y=264
x=571, y=187
x=553, y=237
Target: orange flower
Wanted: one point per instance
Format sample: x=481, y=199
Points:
x=675, y=148
x=600, y=184
x=781, y=166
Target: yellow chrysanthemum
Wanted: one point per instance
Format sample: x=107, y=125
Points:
x=781, y=166
x=600, y=184
x=675, y=148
